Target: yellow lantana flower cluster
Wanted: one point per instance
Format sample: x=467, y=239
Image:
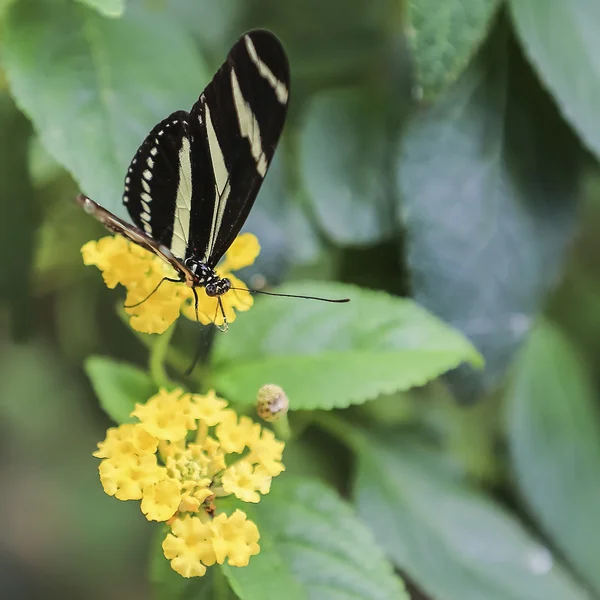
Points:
x=186, y=452
x=140, y=271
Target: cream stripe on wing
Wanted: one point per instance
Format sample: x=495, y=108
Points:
x=183, y=202
x=248, y=125
x=280, y=89
x=222, y=187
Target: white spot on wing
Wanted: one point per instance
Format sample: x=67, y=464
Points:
x=150, y=163
x=154, y=150
x=248, y=125
x=146, y=197
x=147, y=175
x=183, y=202
x=145, y=186
x=279, y=87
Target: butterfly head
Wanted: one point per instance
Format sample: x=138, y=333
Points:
x=207, y=278
x=218, y=287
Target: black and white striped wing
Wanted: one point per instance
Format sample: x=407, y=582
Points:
x=194, y=179
x=235, y=125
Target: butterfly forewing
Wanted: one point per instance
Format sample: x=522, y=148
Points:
x=235, y=127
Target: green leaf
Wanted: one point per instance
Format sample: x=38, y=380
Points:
x=107, y=8
x=342, y=157
x=489, y=180
x=554, y=432
x=119, y=386
x=569, y=68
x=169, y=585
x=347, y=40
x=443, y=37
x=312, y=546
x=332, y=355
x=94, y=87
x=20, y=218
x=43, y=169
x=451, y=540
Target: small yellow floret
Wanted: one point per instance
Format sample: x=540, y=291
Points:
x=126, y=476
x=161, y=500
x=235, y=538
x=234, y=434
x=245, y=481
x=167, y=415
x=189, y=547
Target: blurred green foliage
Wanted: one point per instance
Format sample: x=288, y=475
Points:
x=443, y=155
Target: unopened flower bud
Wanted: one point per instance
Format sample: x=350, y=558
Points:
x=271, y=403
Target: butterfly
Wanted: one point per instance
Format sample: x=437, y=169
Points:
x=192, y=182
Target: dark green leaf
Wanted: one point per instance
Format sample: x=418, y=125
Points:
x=105, y=83
x=332, y=355
x=488, y=179
x=107, y=8
x=443, y=37
x=455, y=543
x=342, y=158
x=312, y=546
x=20, y=218
x=119, y=386
x=43, y=169
x=339, y=42
x=569, y=68
x=554, y=430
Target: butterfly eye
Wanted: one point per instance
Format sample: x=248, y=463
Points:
x=211, y=290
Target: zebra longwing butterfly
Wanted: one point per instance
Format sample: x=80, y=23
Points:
x=194, y=179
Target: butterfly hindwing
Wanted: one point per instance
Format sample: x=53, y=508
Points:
x=155, y=184
x=235, y=124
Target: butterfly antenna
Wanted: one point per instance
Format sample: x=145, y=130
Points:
x=334, y=300
x=152, y=292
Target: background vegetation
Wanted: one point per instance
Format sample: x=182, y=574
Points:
x=440, y=151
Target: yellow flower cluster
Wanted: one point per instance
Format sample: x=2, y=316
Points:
x=186, y=452
x=140, y=271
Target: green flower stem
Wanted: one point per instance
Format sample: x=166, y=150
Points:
x=158, y=355
x=281, y=428
x=339, y=428
x=174, y=358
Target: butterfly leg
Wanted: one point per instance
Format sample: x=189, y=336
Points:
x=153, y=291
x=196, y=302
x=225, y=325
